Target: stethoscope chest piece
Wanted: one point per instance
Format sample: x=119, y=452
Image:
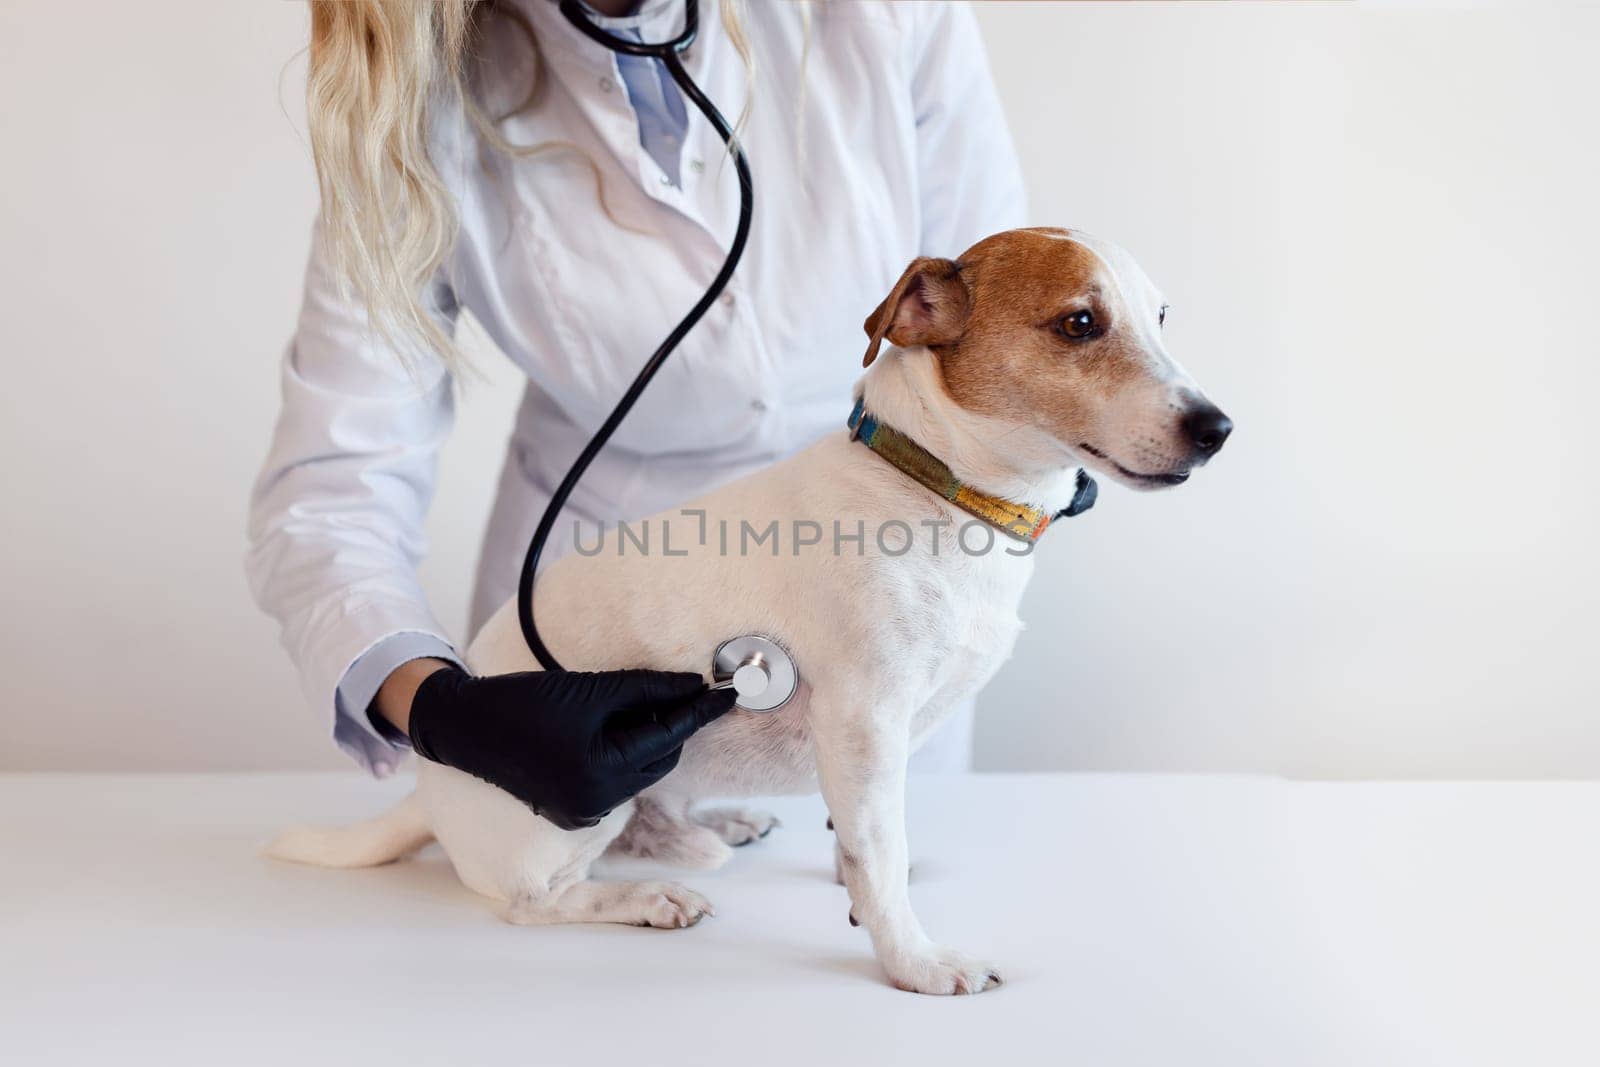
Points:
x=757, y=669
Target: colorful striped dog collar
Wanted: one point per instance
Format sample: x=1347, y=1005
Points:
x=1022, y=521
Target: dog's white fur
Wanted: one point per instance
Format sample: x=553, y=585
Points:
x=887, y=645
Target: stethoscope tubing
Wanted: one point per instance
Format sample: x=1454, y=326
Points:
x=669, y=52
x=577, y=15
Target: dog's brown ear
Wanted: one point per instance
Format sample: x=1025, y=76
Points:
x=927, y=306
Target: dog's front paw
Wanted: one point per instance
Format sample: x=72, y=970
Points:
x=940, y=971
x=737, y=826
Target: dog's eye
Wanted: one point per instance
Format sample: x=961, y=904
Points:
x=1078, y=324
x=1161, y=318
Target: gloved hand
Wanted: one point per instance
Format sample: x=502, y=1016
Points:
x=570, y=745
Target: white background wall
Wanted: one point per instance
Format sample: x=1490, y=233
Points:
x=1377, y=227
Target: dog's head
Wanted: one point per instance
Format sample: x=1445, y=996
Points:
x=1062, y=331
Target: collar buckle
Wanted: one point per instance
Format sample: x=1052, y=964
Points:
x=857, y=414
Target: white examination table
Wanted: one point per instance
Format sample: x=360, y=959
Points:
x=1171, y=921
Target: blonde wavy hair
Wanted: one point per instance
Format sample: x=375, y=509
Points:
x=381, y=73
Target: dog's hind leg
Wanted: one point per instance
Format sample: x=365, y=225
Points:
x=664, y=905
x=549, y=883
x=662, y=830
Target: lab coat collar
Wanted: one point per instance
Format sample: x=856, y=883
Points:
x=579, y=61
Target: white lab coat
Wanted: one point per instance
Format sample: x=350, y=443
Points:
x=902, y=151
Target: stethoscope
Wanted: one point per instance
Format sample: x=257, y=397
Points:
x=755, y=667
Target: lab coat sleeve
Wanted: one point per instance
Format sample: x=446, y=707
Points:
x=971, y=181
x=366, y=675
x=336, y=515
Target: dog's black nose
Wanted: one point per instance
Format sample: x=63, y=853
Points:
x=1207, y=428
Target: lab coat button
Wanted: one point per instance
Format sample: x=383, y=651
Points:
x=758, y=404
x=697, y=165
x=606, y=85
x=727, y=300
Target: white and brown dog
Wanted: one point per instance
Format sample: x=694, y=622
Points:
x=1035, y=354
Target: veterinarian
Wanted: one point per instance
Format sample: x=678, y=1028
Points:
x=488, y=157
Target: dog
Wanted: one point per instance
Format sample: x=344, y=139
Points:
x=1037, y=354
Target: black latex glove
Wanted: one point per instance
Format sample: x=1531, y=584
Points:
x=570, y=745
